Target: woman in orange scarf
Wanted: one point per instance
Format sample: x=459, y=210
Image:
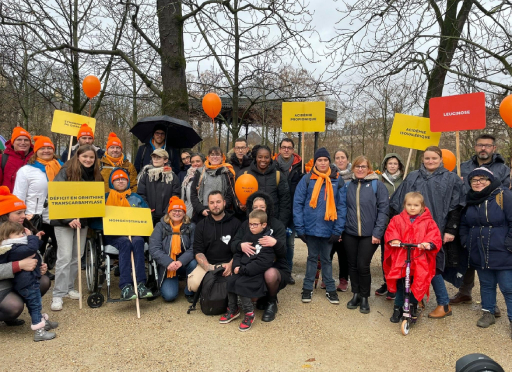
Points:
x=170, y=246
x=120, y=195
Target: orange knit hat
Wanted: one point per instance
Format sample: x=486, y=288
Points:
x=42, y=141
x=176, y=203
x=117, y=174
x=113, y=140
x=9, y=202
x=18, y=132
x=85, y=130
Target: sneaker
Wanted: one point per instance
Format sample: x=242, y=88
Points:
x=343, y=286
x=382, y=290
x=497, y=312
x=390, y=296
x=486, y=320
x=127, y=293
x=144, y=292
x=247, y=322
x=43, y=335
x=229, y=316
x=73, y=294
x=56, y=304
x=332, y=297
x=306, y=295
x=398, y=311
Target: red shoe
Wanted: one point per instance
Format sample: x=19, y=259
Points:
x=343, y=286
x=247, y=322
x=322, y=285
x=229, y=316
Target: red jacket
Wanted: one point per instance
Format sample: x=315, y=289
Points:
x=423, y=262
x=16, y=160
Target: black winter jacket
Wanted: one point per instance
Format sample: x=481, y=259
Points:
x=240, y=168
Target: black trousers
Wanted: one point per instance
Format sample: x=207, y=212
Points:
x=49, y=232
x=360, y=251
x=339, y=249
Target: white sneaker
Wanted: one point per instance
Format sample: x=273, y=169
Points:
x=56, y=304
x=74, y=295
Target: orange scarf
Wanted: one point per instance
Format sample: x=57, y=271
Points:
x=115, y=162
x=118, y=199
x=175, y=246
x=330, y=205
x=223, y=164
x=52, y=167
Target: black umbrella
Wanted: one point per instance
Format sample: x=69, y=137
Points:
x=179, y=133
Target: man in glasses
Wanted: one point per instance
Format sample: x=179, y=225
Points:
x=143, y=157
x=240, y=160
x=485, y=156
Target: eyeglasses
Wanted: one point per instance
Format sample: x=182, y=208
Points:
x=177, y=211
x=287, y=148
x=254, y=224
x=159, y=134
x=474, y=181
x=361, y=166
x=483, y=146
x=240, y=148
x=185, y=158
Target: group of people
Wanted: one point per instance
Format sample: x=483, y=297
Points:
x=460, y=225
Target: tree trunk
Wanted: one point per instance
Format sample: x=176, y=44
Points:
x=75, y=61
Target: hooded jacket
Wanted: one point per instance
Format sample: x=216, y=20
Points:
x=423, y=262
x=18, y=252
x=280, y=193
x=309, y=221
x=240, y=167
x=279, y=232
x=497, y=166
x=64, y=156
x=391, y=185
x=212, y=238
x=367, y=210
x=106, y=169
x=486, y=232
x=160, y=246
x=157, y=192
x=15, y=160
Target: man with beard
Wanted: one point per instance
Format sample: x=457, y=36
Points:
x=212, y=240
x=486, y=156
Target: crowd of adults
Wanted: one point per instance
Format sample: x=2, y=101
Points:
x=339, y=207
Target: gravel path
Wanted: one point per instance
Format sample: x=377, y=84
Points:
x=316, y=336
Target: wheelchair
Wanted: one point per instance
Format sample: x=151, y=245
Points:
x=99, y=266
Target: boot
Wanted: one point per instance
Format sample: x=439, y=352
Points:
x=486, y=320
x=398, y=311
x=270, y=311
x=49, y=325
x=441, y=312
x=365, y=306
x=40, y=333
x=354, y=302
x=414, y=311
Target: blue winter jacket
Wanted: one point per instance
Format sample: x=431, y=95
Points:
x=309, y=221
x=367, y=209
x=486, y=232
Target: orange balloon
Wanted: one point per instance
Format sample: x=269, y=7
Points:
x=449, y=160
x=245, y=185
x=506, y=110
x=212, y=105
x=91, y=86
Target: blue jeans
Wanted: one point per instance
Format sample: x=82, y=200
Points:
x=290, y=248
x=400, y=293
x=319, y=247
x=488, y=281
x=32, y=297
x=440, y=290
x=170, y=286
x=125, y=247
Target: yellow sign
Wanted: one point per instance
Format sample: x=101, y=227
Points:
x=413, y=132
x=303, y=116
x=76, y=200
x=69, y=123
x=127, y=221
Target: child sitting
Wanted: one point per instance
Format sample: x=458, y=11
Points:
x=413, y=226
x=248, y=281
x=16, y=246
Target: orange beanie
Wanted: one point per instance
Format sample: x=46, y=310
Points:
x=9, y=202
x=117, y=174
x=176, y=203
x=18, y=132
x=42, y=141
x=113, y=140
x=85, y=130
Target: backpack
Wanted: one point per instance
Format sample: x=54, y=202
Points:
x=212, y=293
x=374, y=186
x=5, y=157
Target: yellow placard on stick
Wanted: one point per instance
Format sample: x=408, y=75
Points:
x=69, y=123
x=413, y=132
x=126, y=221
x=76, y=200
x=303, y=116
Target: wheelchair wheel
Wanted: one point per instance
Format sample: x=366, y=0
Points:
x=91, y=266
x=50, y=256
x=95, y=300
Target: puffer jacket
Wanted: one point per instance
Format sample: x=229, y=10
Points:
x=486, y=231
x=280, y=193
x=15, y=160
x=392, y=185
x=160, y=246
x=497, y=166
x=309, y=221
x=367, y=210
x=106, y=169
